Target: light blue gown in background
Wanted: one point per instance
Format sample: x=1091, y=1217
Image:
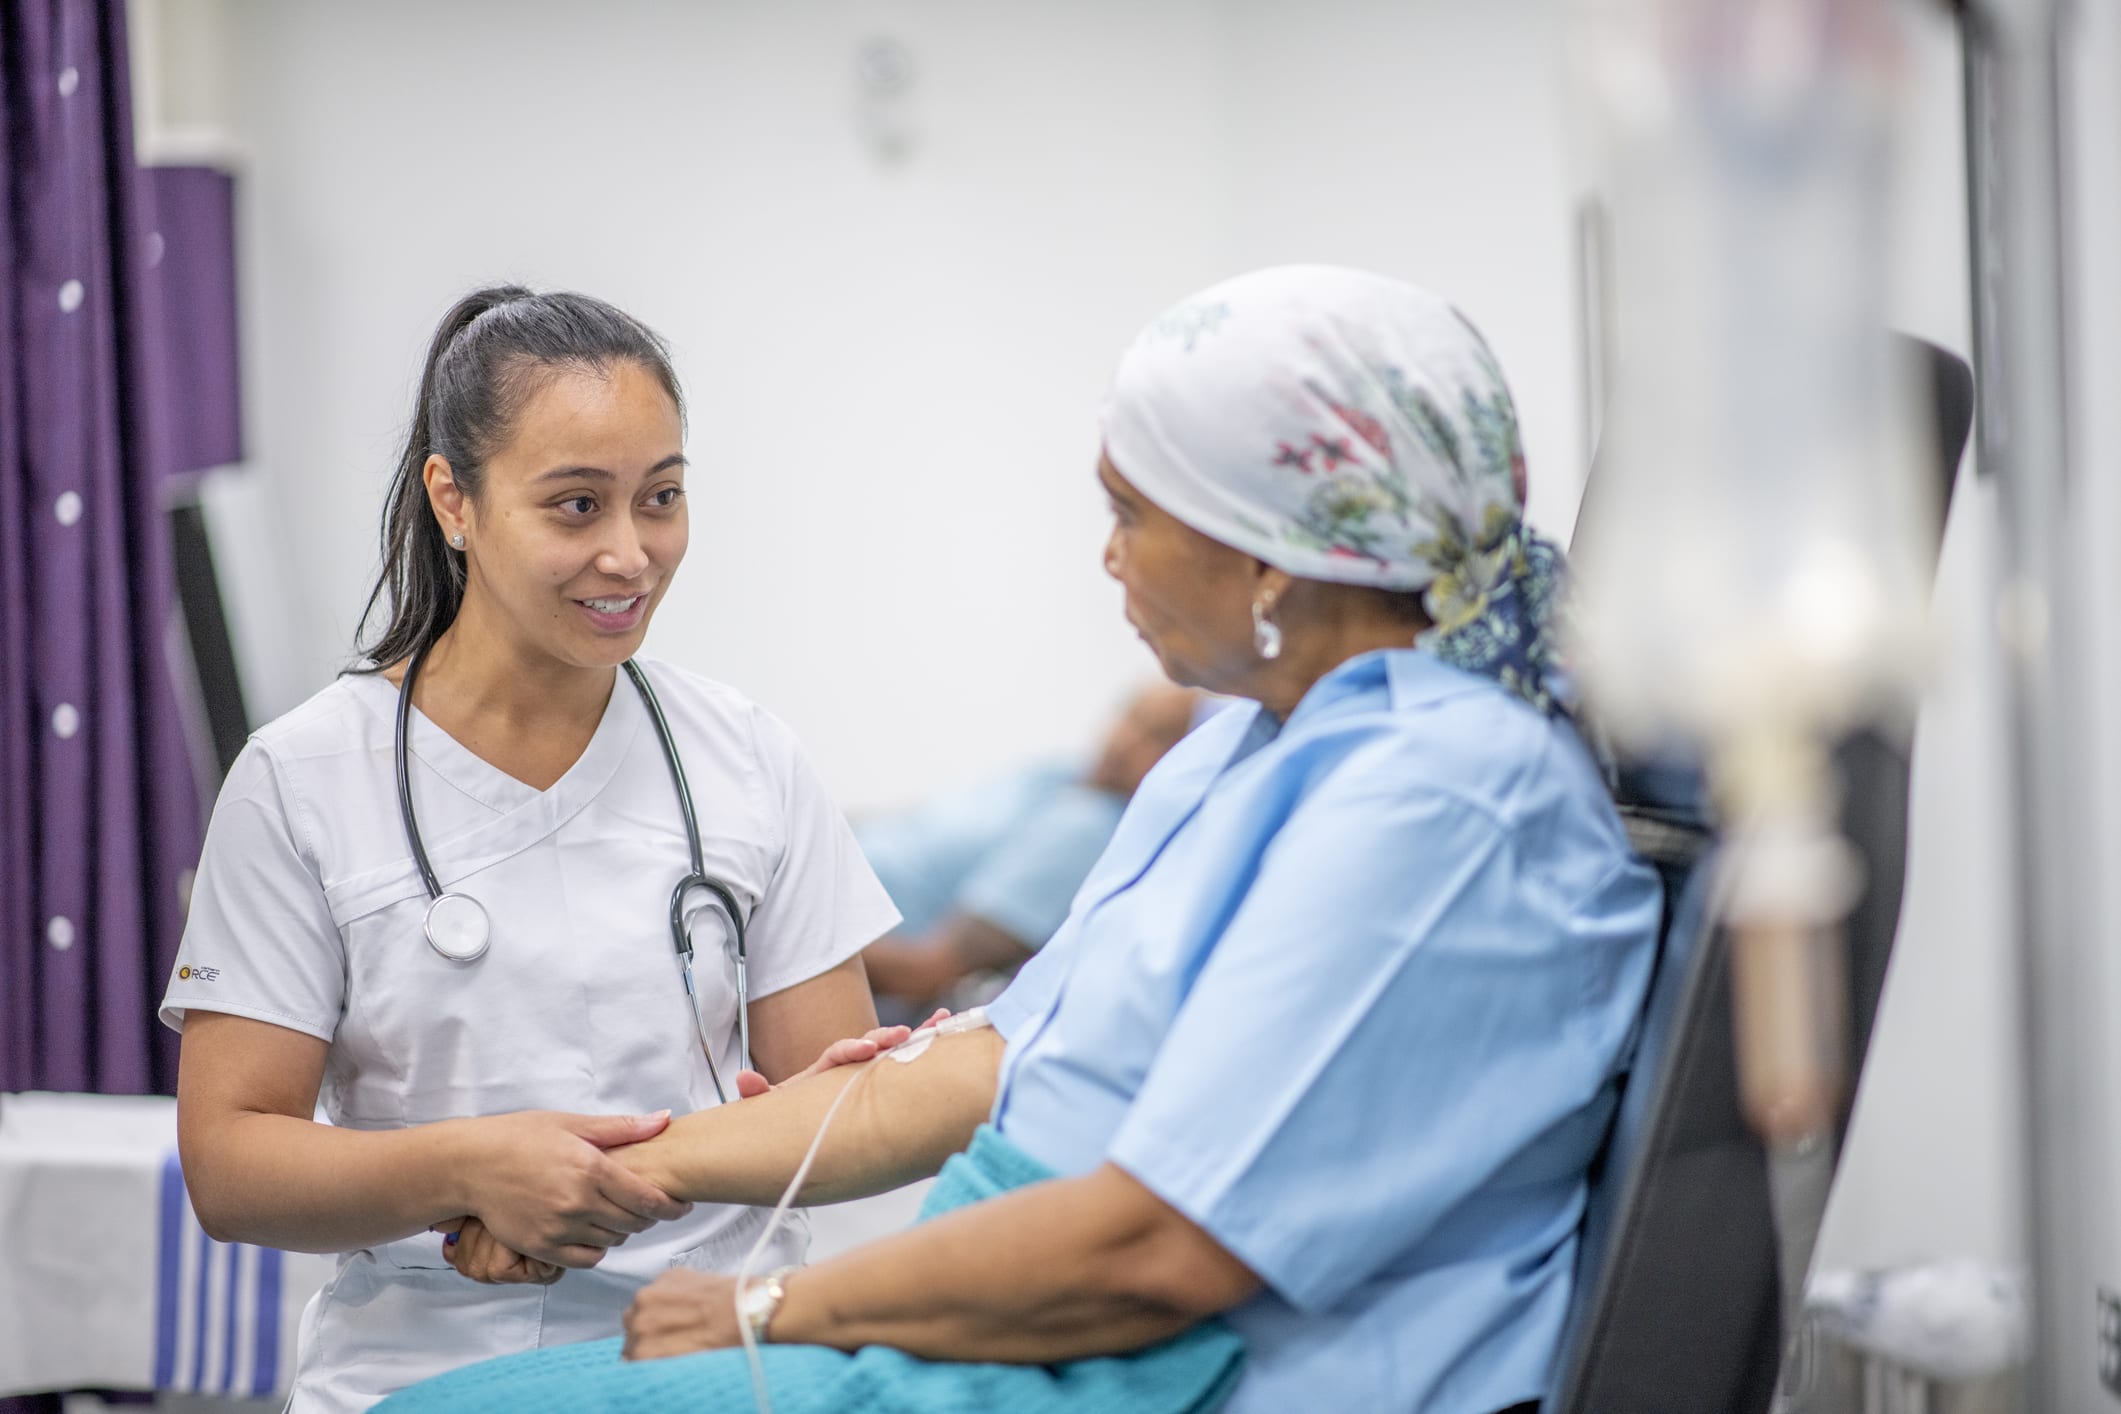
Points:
x=1353, y=995
x=1011, y=849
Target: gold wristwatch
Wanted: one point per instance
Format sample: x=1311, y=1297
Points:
x=761, y=1301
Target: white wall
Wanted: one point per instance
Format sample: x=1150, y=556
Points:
x=894, y=370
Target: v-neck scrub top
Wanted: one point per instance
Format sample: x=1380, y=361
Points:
x=307, y=913
x=1352, y=993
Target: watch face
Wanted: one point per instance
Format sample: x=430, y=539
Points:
x=758, y=1303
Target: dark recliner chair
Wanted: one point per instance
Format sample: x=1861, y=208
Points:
x=1677, y=1306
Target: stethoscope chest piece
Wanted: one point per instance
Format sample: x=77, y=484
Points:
x=456, y=927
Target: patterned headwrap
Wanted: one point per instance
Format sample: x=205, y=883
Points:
x=1342, y=426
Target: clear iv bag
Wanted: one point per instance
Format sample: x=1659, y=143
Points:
x=1755, y=555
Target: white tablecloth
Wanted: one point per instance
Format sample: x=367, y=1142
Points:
x=107, y=1280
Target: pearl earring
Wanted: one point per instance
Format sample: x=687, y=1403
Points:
x=1266, y=634
x=456, y=542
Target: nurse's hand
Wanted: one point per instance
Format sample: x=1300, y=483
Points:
x=852, y=1051
x=472, y=1250
x=545, y=1187
x=680, y=1312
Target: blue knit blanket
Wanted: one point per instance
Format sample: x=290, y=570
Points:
x=1190, y=1374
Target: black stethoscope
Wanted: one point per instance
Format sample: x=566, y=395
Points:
x=456, y=924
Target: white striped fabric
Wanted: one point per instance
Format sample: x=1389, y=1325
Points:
x=217, y=1305
x=110, y=1283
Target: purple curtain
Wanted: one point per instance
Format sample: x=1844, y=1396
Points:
x=100, y=818
x=191, y=257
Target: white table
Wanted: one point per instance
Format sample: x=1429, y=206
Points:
x=107, y=1280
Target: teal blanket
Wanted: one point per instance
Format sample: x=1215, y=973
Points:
x=1190, y=1374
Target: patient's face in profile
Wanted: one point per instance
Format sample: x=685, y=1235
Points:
x=1189, y=597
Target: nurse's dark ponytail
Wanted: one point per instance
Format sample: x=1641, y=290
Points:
x=492, y=350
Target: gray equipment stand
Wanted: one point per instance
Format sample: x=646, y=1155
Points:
x=2015, y=190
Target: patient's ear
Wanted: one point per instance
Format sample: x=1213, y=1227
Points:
x=1270, y=582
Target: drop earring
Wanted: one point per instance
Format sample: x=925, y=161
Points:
x=1266, y=634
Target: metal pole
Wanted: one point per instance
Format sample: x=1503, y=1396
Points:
x=2014, y=192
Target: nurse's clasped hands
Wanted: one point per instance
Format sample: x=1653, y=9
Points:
x=549, y=1197
x=471, y=1247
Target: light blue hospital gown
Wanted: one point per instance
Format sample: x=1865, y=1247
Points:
x=1353, y=996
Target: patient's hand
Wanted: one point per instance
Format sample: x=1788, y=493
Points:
x=852, y=1051
x=680, y=1312
x=475, y=1252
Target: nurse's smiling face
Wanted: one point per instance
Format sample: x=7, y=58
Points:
x=1189, y=597
x=580, y=519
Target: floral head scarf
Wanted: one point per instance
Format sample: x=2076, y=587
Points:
x=1346, y=427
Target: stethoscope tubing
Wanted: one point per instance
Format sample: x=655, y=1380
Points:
x=698, y=878
x=403, y=758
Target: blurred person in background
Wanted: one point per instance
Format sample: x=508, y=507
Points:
x=982, y=876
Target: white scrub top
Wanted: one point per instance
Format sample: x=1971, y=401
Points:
x=307, y=914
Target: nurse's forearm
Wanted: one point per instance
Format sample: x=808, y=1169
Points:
x=277, y=1181
x=540, y=1181
x=260, y=1170
x=903, y=1122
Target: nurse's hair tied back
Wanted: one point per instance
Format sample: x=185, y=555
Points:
x=493, y=350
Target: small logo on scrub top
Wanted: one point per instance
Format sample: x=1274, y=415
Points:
x=188, y=973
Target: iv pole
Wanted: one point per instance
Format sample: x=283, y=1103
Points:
x=2014, y=142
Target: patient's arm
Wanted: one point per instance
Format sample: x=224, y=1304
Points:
x=1060, y=1270
x=899, y=1126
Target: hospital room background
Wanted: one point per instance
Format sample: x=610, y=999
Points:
x=895, y=245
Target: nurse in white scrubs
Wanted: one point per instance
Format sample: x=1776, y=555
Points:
x=535, y=521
